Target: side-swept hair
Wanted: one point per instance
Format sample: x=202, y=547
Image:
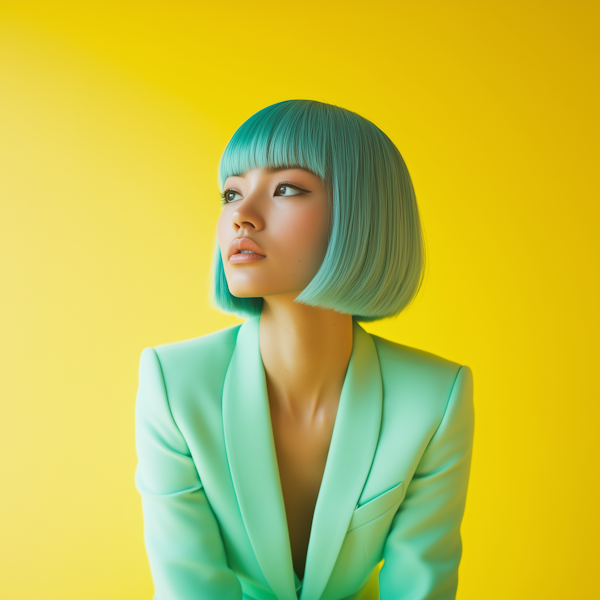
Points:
x=375, y=259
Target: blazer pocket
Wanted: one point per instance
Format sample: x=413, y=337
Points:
x=377, y=506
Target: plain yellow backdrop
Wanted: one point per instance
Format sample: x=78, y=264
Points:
x=113, y=116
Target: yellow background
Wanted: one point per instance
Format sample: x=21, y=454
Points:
x=113, y=116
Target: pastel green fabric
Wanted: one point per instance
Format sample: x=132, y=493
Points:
x=394, y=485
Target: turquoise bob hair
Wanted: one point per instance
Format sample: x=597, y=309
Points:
x=375, y=258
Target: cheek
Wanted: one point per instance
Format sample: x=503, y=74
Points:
x=221, y=232
x=309, y=232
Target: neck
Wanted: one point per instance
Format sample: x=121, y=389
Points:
x=305, y=352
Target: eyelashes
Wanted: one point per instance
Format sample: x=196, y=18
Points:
x=224, y=195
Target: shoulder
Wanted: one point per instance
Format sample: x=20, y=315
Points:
x=393, y=353
x=416, y=380
x=200, y=344
x=197, y=361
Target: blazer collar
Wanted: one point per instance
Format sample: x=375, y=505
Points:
x=255, y=474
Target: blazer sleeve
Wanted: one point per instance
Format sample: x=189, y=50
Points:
x=424, y=547
x=182, y=537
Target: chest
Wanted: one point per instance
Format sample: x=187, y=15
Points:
x=301, y=447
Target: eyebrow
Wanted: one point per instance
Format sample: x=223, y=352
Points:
x=274, y=170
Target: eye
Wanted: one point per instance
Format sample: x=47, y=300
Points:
x=229, y=196
x=282, y=189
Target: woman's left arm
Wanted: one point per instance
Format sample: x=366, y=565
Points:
x=424, y=547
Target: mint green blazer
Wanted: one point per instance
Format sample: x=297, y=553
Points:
x=394, y=485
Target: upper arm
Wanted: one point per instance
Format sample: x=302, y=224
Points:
x=423, y=548
x=182, y=536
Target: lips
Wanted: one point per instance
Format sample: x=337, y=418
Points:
x=239, y=244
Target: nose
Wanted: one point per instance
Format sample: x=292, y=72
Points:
x=247, y=214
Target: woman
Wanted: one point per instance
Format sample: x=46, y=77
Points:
x=284, y=458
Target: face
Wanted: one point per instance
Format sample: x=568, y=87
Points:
x=273, y=231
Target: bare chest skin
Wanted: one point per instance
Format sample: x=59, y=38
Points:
x=301, y=443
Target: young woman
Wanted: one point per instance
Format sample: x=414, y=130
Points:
x=284, y=458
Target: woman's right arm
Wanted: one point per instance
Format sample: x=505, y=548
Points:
x=182, y=537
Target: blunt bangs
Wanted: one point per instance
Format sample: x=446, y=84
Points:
x=375, y=259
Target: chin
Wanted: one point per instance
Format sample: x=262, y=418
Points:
x=259, y=289
x=244, y=292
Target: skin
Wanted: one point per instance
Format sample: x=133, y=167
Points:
x=305, y=350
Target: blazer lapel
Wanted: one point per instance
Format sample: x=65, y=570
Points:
x=353, y=444
x=255, y=473
x=253, y=461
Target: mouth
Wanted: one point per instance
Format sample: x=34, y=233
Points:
x=244, y=250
